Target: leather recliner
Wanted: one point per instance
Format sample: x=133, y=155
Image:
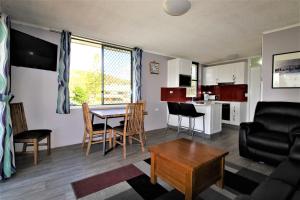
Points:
x=271, y=135
x=284, y=182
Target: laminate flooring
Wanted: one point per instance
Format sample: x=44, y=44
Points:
x=51, y=178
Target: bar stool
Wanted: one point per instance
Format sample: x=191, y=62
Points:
x=189, y=110
x=174, y=109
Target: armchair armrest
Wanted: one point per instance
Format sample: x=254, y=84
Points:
x=249, y=127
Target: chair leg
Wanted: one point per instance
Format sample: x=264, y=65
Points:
x=84, y=139
x=110, y=137
x=193, y=127
x=167, y=124
x=203, y=123
x=49, y=144
x=89, y=147
x=24, y=147
x=130, y=140
x=142, y=142
x=179, y=125
x=35, y=151
x=124, y=147
x=115, y=139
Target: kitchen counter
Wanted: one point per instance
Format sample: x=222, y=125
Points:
x=213, y=117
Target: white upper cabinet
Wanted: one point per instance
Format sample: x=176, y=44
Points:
x=240, y=73
x=235, y=73
x=178, y=66
x=185, y=66
x=210, y=76
x=224, y=74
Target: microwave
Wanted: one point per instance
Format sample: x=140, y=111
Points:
x=185, y=80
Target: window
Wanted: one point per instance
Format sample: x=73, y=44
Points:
x=192, y=91
x=99, y=74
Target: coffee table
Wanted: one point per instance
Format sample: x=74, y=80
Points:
x=188, y=166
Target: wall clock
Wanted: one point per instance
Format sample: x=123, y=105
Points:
x=154, y=67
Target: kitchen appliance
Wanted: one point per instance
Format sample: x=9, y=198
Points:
x=226, y=111
x=206, y=97
x=185, y=80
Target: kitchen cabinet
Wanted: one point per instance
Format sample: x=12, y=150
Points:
x=235, y=73
x=210, y=76
x=237, y=112
x=175, y=67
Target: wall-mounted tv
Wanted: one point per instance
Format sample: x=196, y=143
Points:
x=184, y=80
x=32, y=52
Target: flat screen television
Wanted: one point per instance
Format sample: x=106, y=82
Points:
x=32, y=52
x=184, y=80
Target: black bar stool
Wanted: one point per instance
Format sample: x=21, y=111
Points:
x=174, y=109
x=189, y=110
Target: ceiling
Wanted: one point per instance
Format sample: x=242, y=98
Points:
x=212, y=30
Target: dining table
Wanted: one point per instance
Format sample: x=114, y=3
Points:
x=108, y=114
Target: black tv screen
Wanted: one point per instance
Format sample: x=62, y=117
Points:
x=32, y=52
x=184, y=80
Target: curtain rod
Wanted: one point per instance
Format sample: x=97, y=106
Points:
x=75, y=36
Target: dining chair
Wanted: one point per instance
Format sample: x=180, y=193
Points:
x=93, y=133
x=25, y=136
x=143, y=128
x=132, y=128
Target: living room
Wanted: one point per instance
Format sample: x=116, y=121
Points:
x=221, y=60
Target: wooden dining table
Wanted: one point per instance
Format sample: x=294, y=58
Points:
x=107, y=114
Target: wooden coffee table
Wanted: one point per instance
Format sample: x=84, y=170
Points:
x=189, y=166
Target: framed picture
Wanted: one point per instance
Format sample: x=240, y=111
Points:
x=286, y=70
x=154, y=67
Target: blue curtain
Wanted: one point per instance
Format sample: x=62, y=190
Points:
x=7, y=154
x=137, y=73
x=63, y=100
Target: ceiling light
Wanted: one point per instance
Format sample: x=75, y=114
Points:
x=176, y=7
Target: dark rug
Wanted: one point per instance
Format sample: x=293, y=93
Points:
x=132, y=183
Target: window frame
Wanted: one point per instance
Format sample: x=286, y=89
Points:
x=105, y=44
x=197, y=76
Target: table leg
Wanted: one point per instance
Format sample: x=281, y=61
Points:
x=189, y=195
x=153, y=169
x=104, y=137
x=220, y=182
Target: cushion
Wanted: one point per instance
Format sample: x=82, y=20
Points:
x=273, y=189
x=100, y=126
x=296, y=195
x=33, y=134
x=269, y=141
x=288, y=172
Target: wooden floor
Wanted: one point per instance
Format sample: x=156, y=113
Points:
x=51, y=178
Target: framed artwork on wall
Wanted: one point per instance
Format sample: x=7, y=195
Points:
x=154, y=67
x=286, y=70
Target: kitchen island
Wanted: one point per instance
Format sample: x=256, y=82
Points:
x=212, y=119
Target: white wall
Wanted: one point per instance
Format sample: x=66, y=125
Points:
x=283, y=41
x=37, y=89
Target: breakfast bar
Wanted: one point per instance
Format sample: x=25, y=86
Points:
x=212, y=118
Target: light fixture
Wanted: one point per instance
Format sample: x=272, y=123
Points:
x=176, y=7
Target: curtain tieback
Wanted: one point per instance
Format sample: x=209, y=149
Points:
x=6, y=97
x=61, y=82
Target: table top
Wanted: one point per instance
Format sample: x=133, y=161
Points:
x=186, y=152
x=110, y=113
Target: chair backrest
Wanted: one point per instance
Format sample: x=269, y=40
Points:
x=187, y=109
x=18, y=118
x=174, y=108
x=134, y=118
x=278, y=116
x=86, y=118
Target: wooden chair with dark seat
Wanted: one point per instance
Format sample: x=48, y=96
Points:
x=132, y=128
x=93, y=133
x=25, y=136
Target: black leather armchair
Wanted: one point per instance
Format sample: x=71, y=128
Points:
x=284, y=182
x=270, y=136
